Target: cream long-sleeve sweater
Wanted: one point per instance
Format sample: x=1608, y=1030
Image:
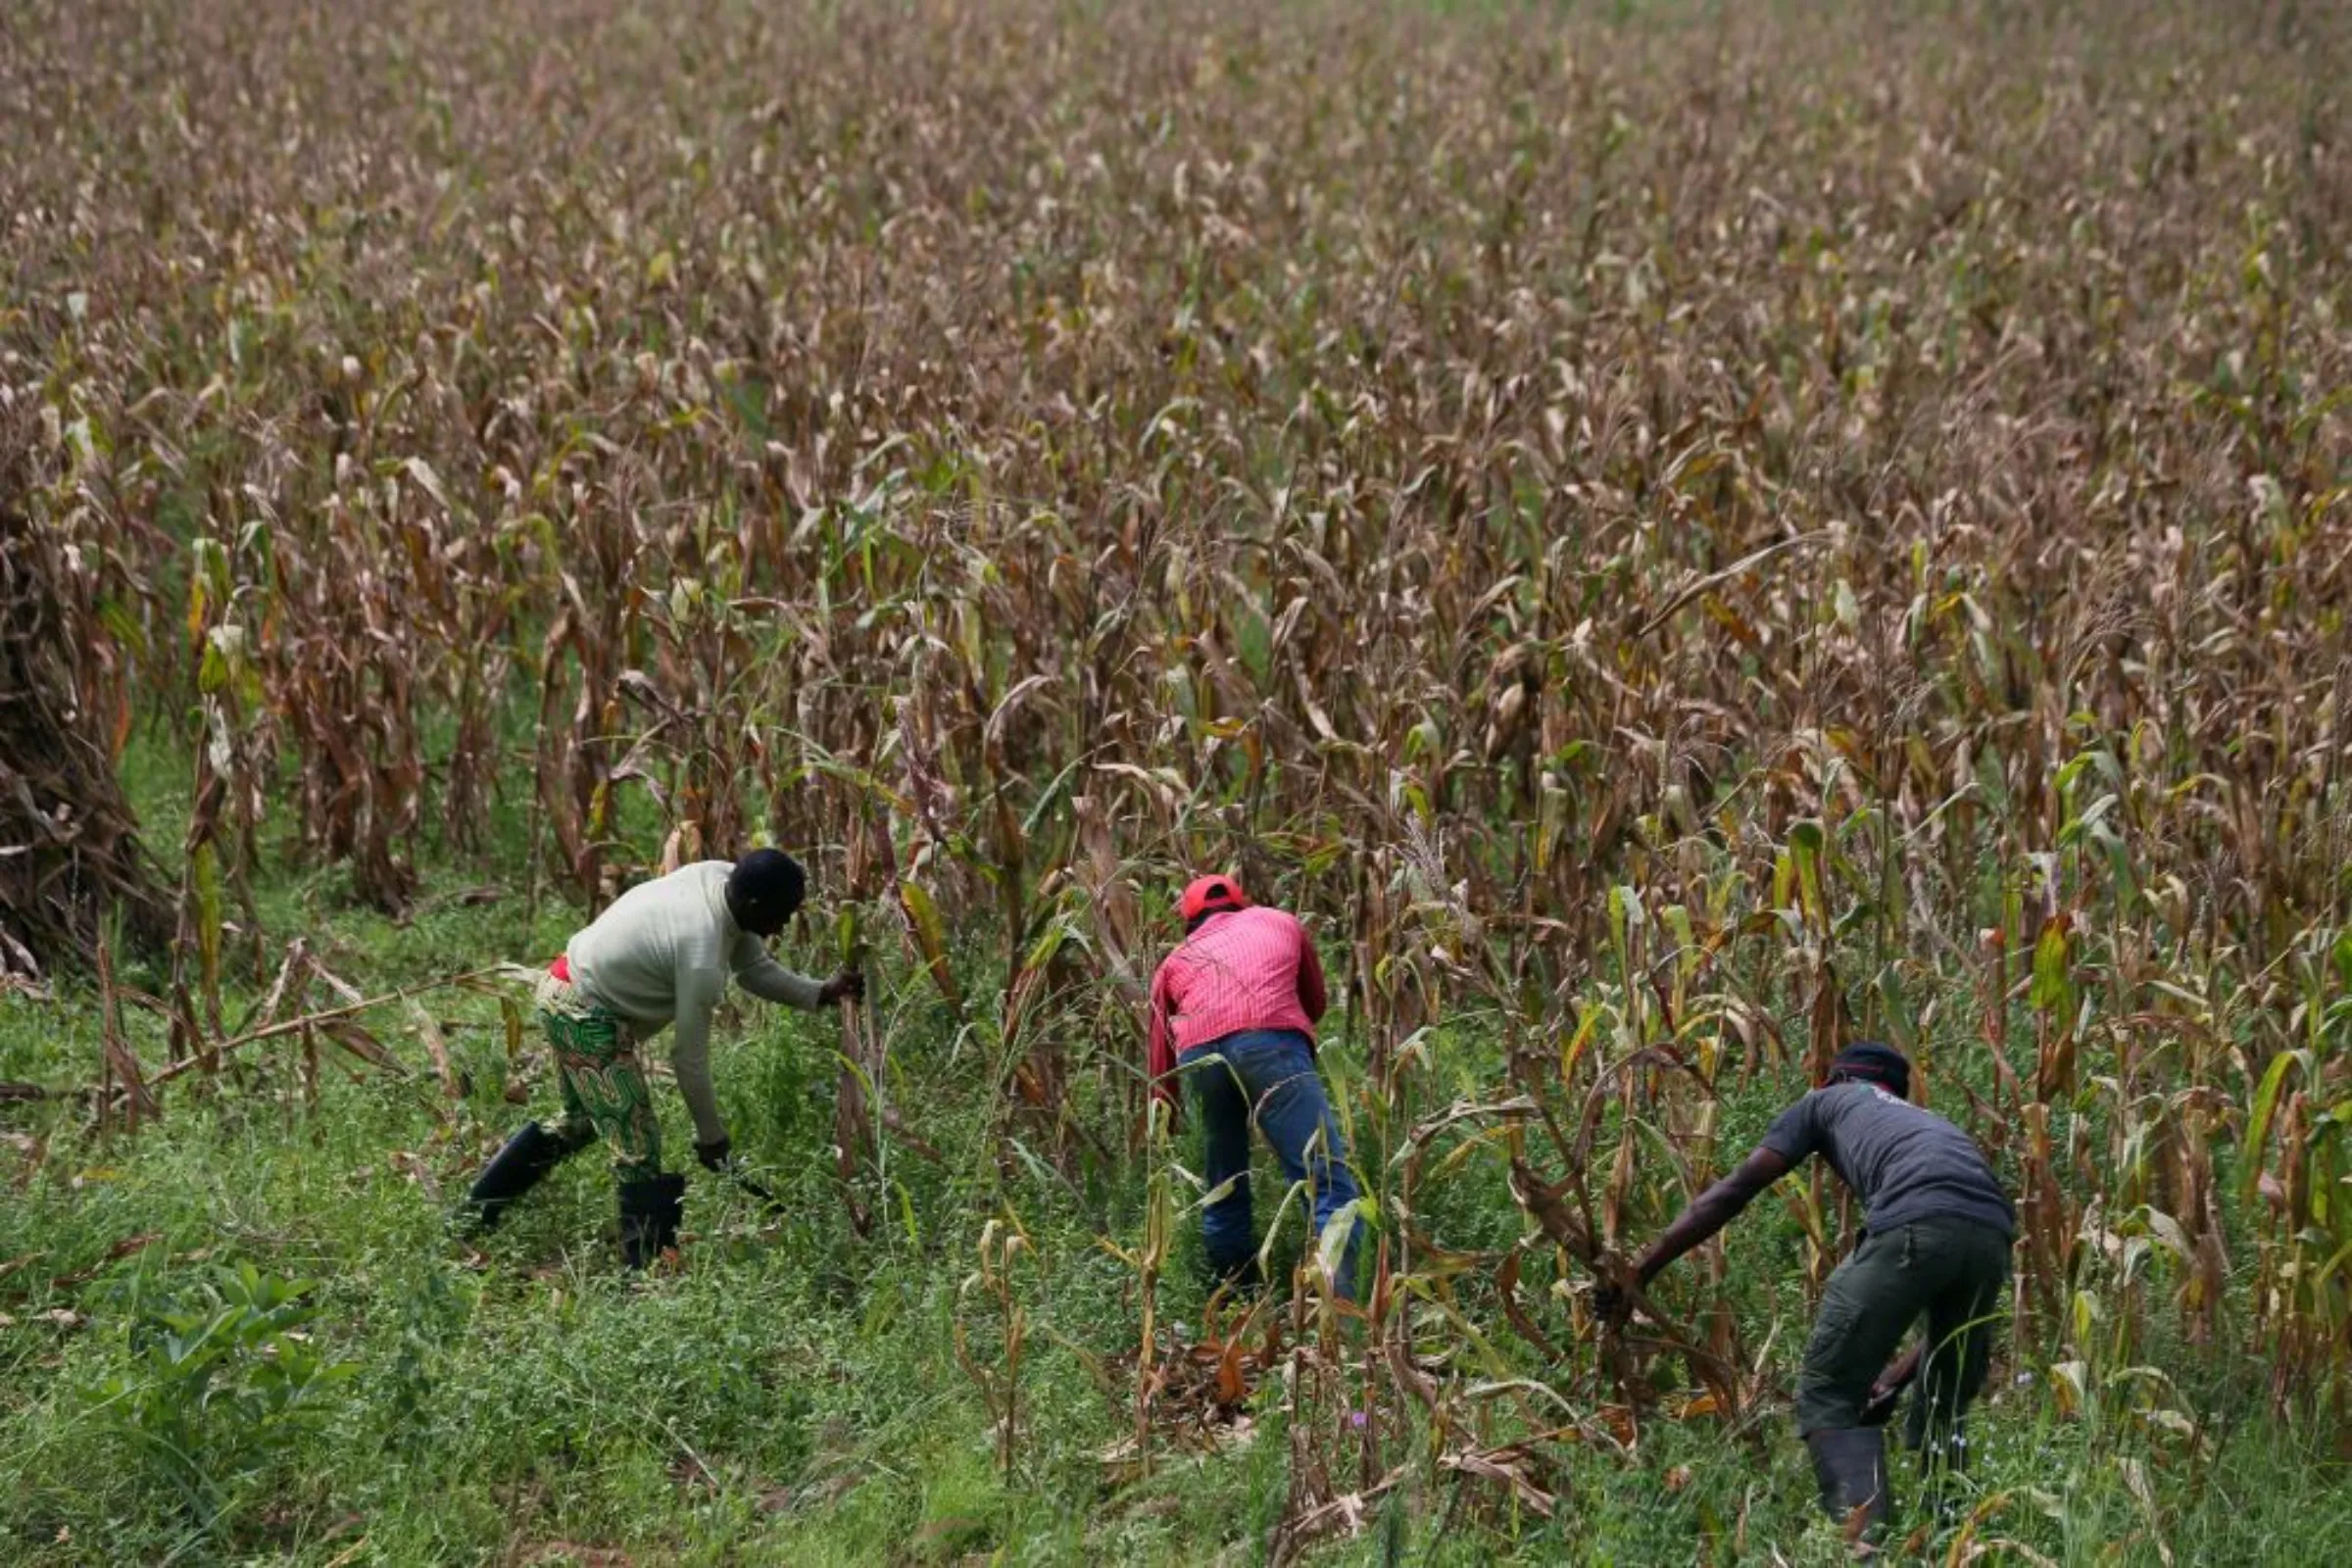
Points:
x=662, y=953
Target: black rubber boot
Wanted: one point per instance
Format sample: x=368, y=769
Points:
x=649, y=1211
x=514, y=1170
x=1850, y=1465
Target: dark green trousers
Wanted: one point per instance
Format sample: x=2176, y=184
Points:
x=1951, y=1271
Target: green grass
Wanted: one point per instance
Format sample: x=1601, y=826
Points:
x=792, y=1396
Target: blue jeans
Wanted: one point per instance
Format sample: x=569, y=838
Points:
x=1267, y=1075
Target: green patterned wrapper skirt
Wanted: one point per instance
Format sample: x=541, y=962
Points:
x=604, y=1090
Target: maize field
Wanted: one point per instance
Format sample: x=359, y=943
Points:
x=1675, y=536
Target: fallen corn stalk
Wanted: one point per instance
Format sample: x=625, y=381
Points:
x=1541, y=1200
x=323, y=1018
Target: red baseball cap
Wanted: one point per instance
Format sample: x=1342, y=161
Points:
x=1207, y=894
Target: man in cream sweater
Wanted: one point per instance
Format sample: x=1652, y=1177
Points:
x=658, y=957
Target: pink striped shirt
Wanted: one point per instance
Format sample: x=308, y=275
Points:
x=1252, y=968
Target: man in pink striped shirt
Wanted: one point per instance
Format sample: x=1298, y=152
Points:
x=1234, y=1009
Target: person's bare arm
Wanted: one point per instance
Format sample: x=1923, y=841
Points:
x=1883, y=1393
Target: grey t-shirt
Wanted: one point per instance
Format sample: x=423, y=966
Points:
x=1902, y=1162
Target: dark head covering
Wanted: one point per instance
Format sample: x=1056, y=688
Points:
x=1870, y=1062
x=763, y=889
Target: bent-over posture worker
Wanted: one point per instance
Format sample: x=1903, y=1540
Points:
x=1234, y=1008
x=1937, y=1227
x=662, y=953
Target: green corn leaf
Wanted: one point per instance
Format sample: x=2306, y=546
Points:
x=120, y=625
x=2258, y=1123
x=1676, y=919
x=2050, y=974
x=1338, y=1231
x=1806, y=840
x=931, y=938
x=1624, y=909
x=204, y=868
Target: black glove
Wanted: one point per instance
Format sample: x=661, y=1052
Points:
x=714, y=1156
x=1612, y=1306
x=849, y=985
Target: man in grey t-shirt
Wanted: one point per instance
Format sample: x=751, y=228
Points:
x=1936, y=1244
